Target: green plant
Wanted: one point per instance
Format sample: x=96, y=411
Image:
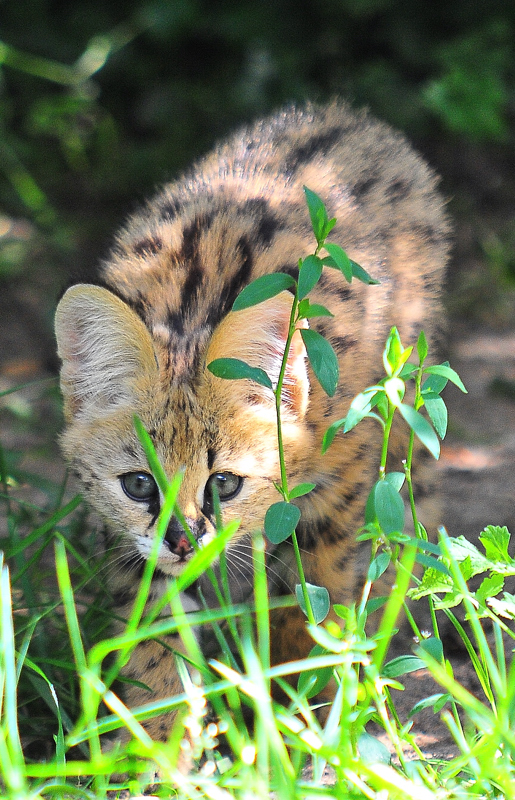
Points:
x=270, y=755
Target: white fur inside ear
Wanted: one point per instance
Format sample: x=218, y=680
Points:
x=257, y=335
x=105, y=349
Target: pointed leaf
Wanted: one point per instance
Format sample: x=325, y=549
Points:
x=340, y=258
x=307, y=310
x=318, y=215
x=261, y=289
x=434, y=384
x=362, y=275
x=389, y=507
x=446, y=372
x=301, y=490
x=434, y=700
x=434, y=647
x=234, y=369
x=323, y=360
x=281, y=519
x=402, y=666
x=316, y=679
x=319, y=599
x=422, y=348
x=309, y=274
x=396, y=479
x=437, y=412
x=422, y=428
x=378, y=565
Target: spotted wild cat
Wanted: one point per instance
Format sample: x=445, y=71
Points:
x=139, y=340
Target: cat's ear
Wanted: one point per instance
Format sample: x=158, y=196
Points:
x=257, y=335
x=105, y=350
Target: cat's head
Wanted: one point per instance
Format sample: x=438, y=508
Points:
x=219, y=433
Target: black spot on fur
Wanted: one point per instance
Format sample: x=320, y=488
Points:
x=192, y=284
x=170, y=209
x=343, y=343
x=398, y=190
x=428, y=233
x=290, y=269
x=344, y=293
x=320, y=143
x=363, y=187
x=241, y=278
x=343, y=562
x=175, y=323
x=129, y=450
x=268, y=223
x=322, y=529
x=148, y=247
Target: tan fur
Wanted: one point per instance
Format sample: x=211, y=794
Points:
x=140, y=343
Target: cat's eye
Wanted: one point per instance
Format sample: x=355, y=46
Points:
x=139, y=486
x=226, y=484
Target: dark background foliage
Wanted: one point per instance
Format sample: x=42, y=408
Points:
x=100, y=101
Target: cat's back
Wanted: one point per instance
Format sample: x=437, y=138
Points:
x=240, y=213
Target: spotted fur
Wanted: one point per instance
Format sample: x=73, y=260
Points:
x=138, y=342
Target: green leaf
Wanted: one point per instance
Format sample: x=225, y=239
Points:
x=322, y=225
x=428, y=562
x=435, y=383
x=309, y=274
x=316, y=679
x=437, y=412
x=234, y=369
x=340, y=258
x=261, y=289
x=323, y=360
x=362, y=275
x=374, y=603
x=302, y=489
x=307, y=310
x=402, y=665
x=434, y=647
x=422, y=348
x=392, y=352
x=464, y=551
x=319, y=599
x=422, y=429
x=496, y=541
x=446, y=372
x=378, y=565
x=396, y=479
x=489, y=587
x=372, y=751
x=281, y=519
x=331, y=433
x=362, y=405
x=388, y=507
x=436, y=701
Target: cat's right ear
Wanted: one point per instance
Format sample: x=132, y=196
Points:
x=105, y=350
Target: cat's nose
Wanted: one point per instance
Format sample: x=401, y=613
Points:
x=177, y=540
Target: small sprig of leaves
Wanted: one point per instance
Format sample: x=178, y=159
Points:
x=283, y=517
x=381, y=402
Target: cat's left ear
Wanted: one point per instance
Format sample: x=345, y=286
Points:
x=257, y=335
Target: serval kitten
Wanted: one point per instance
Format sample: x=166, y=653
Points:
x=138, y=341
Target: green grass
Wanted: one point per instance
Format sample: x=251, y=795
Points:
x=58, y=663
